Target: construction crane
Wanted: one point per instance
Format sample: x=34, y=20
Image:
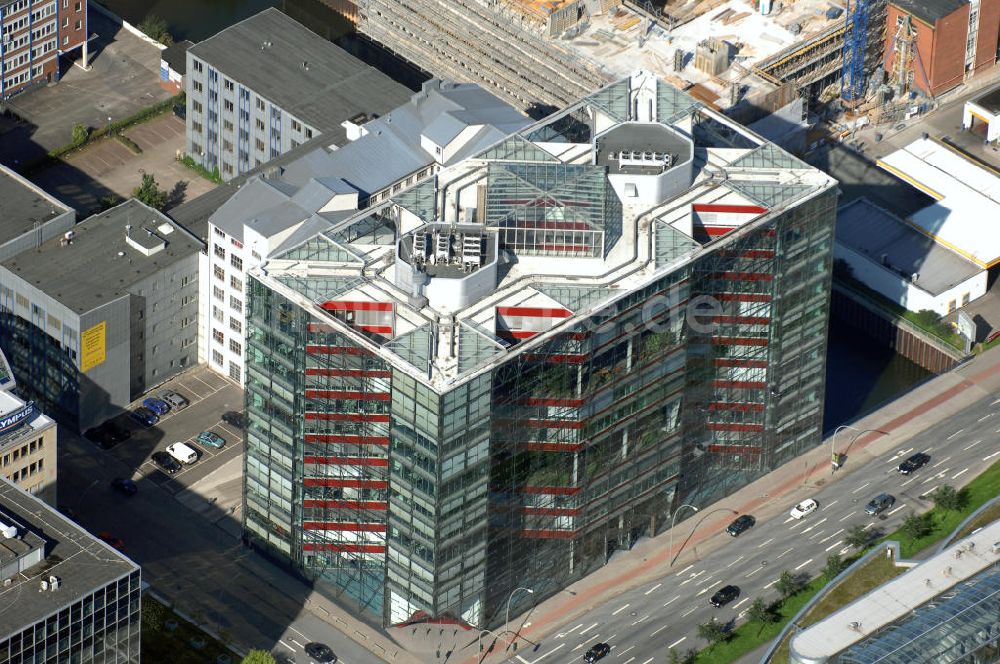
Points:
x=652, y=18
x=852, y=75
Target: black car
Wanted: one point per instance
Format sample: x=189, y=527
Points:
x=724, y=596
x=126, y=486
x=741, y=524
x=321, y=653
x=144, y=416
x=165, y=462
x=599, y=651
x=879, y=504
x=233, y=418
x=918, y=460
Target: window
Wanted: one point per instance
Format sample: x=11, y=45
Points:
x=195, y=128
x=217, y=313
x=217, y=357
x=196, y=106
x=260, y=147
x=296, y=125
x=951, y=306
x=260, y=104
x=236, y=243
x=235, y=304
x=227, y=145
x=197, y=65
x=79, y=24
x=236, y=284
x=228, y=84
x=234, y=371
x=227, y=168
x=309, y=133
x=235, y=347
x=218, y=293
x=79, y=6
x=260, y=125
x=228, y=105
x=219, y=250
x=227, y=125
x=236, y=325
x=236, y=262
x=218, y=336
x=65, y=22
x=197, y=86
x=965, y=299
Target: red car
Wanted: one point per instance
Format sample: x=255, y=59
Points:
x=114, y=542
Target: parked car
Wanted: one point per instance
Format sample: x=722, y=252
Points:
x=724, y=596
x=100, y=436
x=741, y=524
x=321, y=653
x=144, y=416
x=879, y=504
x=233, y=418
x=915, y=462
x=599, y=651
x=115, y=542
x=211, y=439
x=176, y=401
x=805, y=507
x=158, y=406
x=165, y=462
x=126, y=486
x=182, y=452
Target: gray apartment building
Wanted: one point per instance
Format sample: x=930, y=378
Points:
x=92, y=319
x=267, y=84
x=66, y=596
x=28, y=215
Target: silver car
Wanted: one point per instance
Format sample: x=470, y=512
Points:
x=176, y=401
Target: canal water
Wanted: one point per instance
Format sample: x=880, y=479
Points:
x=860, y=374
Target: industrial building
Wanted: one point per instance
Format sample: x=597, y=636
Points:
x=905, y=265
x=438, y=126
x=502, y=374
x=66, y=595
x=267, y=84
x=93, y=318
x=934, y=45
x=33, y=36
x=944, y=610
x=27, y=447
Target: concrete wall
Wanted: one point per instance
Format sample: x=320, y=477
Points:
x=105, y=388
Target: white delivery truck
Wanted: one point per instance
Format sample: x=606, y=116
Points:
x=183, y=453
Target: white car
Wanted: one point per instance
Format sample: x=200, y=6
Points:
x=183, y=453
x=803, y=508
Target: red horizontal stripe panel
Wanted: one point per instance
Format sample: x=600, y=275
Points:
x=735, y=426
x=748, y=384
x=743, y=276
x=348, y=417
x=346, y=461
x=745, y=407
x=552, y=490
x=517, y=334
x=739, y=341
x=343, y=548
x=349, y=527
x=549, y=534
x=552, y=511
x=542, y=401
x=347, y=439
x=553, y=424
x=342, y=394
x=353, y=373
x=537, y=312
x=335, y=305
x=749, y=253
x=739, y=362
x=335, y=350
x=346, y=504
x=742, y=297
x=717, y=231
x=565, y=247
x=742, y=320
x=554, y=447
x=733, y=449
x=721, y=207
x=345, y=483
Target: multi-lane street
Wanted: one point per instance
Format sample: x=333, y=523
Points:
x=643, y=624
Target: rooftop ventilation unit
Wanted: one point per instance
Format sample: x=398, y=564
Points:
x=7, y=531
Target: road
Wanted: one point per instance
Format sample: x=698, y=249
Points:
x=643, y=624
x=194, y=558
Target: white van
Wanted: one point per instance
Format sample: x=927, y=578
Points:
x=183, y=453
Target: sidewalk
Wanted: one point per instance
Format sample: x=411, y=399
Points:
x=935, y=400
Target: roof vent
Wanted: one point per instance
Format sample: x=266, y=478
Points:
x=165, y=229
x=305, y=65
x=53, y=583
x=120, y=254
x=7, y=531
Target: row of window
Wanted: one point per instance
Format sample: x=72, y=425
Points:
x=21, y=452
x=30, y=470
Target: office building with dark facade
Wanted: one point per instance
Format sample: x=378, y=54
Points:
x=66, y=595
x=496, y=378
x=93, y=318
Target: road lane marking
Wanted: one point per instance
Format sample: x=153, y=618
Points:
x=802, y=565
x=672, y=599
x=845, y=517
x=818, y=523
x=685, y=569
x=928, y=492
x=947, y=458
x=735, y=561
x=287, y=646
x=589, y=628
x=830, y=504
x=765, y=543
x=908, y=481
x=987, y=458
x=575, y=628
x=891, y=512
x=625, y=651
x=955, y=434
x=705, y=580
x=861, y=487
x=829, y=537
x=788, y=550
x=791, y=518
x=753, y=572
x=640, y=619
x=936, y=477
x=844, y=551
x=619, y=610
x=659, y=630
x=703, y=591
x=795, y=525
x=543, y=656
x=737, y=605
x=653, y=588
x=986, y=417
x=689, y=611
x=835, y=545
x=648, y=661
x=770, y=584
x=676, y=643
x=969, y=447
x=955, y=476
x=816, y=534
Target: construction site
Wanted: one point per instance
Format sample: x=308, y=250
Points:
x=727, y=53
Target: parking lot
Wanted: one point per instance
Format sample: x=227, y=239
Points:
x=209, y=396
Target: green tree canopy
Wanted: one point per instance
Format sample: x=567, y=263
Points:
x=857, y=537
x=916, y=526
x=712, y=632
x=788, y=584
x=258, y=657
x=147, y=192
x=947, y=498
x=834, y=566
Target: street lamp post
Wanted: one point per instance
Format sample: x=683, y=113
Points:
x=510, y=597
x=673, y=519
x=834, y=455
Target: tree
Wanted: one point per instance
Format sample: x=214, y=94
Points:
x=788, y=584
x=147, y=192
x=687, y=657
x=712, y=632
x=947, y=498
x=155, y=27
x=80, y=134
x=759, y=612
x=834, y=566
x=258, y=657
x=916, y=526
x=857, y=537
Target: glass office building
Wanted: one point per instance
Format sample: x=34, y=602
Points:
x=511, y=370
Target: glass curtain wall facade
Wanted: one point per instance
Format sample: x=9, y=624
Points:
x=102, y=628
